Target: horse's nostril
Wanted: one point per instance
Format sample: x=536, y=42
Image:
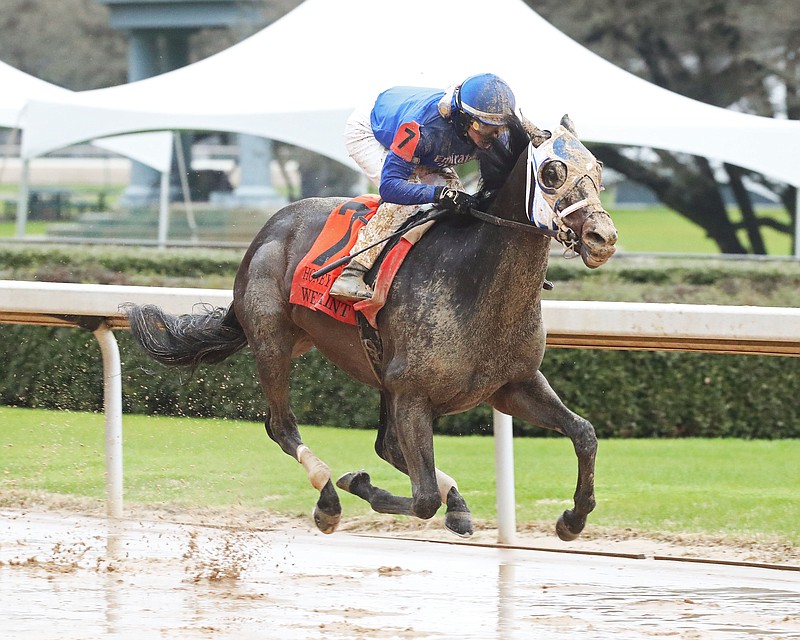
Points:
x=593, y=238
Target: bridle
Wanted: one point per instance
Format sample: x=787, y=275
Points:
x=542, y=202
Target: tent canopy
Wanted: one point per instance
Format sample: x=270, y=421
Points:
x=298, y=79
x=18, y=88
x=152, y=149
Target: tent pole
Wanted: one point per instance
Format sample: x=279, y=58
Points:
x=163, y=210
x=187, y=196
x=22, y=201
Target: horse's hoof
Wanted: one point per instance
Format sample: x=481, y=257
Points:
x=567, y=532
x=325, y=522
x=459, y=523
x=328, y=510
x=345, y=483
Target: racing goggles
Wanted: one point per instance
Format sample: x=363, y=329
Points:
x=485, y=130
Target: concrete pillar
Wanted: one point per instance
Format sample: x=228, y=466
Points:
x=143, y=63
x=255, y=178
x=158, y=33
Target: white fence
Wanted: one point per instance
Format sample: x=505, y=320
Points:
x=601, y=325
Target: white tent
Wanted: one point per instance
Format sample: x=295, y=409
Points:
x=153, y=149
x=20, y=87
x=298, y=79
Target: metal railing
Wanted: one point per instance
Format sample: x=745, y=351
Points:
x=592, y=325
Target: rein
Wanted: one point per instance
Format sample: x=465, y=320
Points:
x=565, y=235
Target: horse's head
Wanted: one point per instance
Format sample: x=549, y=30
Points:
x=564, y=185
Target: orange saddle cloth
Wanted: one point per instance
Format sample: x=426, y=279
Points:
x=334, y=242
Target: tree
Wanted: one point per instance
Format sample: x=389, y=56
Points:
x=68, y=43
x=728, y=53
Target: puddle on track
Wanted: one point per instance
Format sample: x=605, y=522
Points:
x=73, y=577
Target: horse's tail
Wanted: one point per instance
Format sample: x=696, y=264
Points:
x=187, y=340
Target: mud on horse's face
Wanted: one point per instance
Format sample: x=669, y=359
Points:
x=566, y=193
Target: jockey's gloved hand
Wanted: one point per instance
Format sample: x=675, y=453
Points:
x=454, y=200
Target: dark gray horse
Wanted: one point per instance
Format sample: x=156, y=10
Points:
x=474, y=335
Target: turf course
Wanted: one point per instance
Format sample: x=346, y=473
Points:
x=692, y=485
x=651, y=230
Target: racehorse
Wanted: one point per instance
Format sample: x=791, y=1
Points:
x=461, y=325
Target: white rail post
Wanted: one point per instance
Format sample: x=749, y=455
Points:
x=112, y=403
x=163, y=211
x=796, y=238
x=504, y=470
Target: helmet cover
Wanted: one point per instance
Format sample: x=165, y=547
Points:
x=487, y=98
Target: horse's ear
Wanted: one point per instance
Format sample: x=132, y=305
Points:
x=567, y=123
x=537, y=135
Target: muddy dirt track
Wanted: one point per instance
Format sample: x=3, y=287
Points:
x=67, y=576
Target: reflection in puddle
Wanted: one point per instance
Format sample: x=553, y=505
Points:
x=87, y=577
x=506, y=590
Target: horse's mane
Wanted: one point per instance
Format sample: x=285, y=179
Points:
x=497, y=162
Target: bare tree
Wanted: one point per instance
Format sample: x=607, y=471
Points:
x=68, y=43
x=728, y=53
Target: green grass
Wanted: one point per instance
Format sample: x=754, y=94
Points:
x=661, y=230
x=693, y=486
x=649, y=230
x=9, y=229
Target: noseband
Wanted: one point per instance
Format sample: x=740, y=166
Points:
x=542, y=202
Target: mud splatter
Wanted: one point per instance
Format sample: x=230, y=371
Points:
x=219, y=559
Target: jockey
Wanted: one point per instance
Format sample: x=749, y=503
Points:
x=407, y=145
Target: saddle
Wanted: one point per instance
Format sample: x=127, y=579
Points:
x=334, y=243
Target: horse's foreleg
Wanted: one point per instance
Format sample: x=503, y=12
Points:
x=457, y=519
x=537, y=403
x=387, y=446
x=381, y=501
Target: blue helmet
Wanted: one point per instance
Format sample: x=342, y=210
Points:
x=486, y=98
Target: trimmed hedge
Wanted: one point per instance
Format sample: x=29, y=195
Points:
x=623, y=393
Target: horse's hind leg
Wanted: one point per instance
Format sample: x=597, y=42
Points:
x=360, y=484
x=457, y=518
x=537, y=403
x=272, y=348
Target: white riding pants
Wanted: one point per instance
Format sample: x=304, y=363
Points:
x=369, y=155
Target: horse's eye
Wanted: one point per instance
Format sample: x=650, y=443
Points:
x=553, y=174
